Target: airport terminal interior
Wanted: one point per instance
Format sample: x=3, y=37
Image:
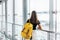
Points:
x=14, y=14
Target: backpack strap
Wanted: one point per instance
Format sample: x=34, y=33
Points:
x=29, y=20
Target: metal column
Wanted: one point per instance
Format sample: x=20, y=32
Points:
x=13, y=25
x=2, y=17
x=24, y=11
x=6, y=17
x=50, y=36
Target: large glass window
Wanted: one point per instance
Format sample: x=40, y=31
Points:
x=18, y=12
x=42, y=9
x=10, y=11
x=18, y=18
x=58, y=16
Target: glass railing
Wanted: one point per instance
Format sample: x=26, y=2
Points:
x=37, y=35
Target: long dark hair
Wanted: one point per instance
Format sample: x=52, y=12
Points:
x=33, y=17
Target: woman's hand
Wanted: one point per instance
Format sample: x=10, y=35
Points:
x=39, y=27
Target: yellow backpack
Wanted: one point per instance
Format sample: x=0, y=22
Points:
x=27, y=31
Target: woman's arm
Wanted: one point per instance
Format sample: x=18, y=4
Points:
x=39, y=27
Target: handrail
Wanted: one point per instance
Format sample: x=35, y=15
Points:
x=10, y=37
x=11, y=23
x=51, y=31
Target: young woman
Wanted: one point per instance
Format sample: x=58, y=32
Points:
x=34, y=20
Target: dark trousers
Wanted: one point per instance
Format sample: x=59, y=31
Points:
x=31, y=38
